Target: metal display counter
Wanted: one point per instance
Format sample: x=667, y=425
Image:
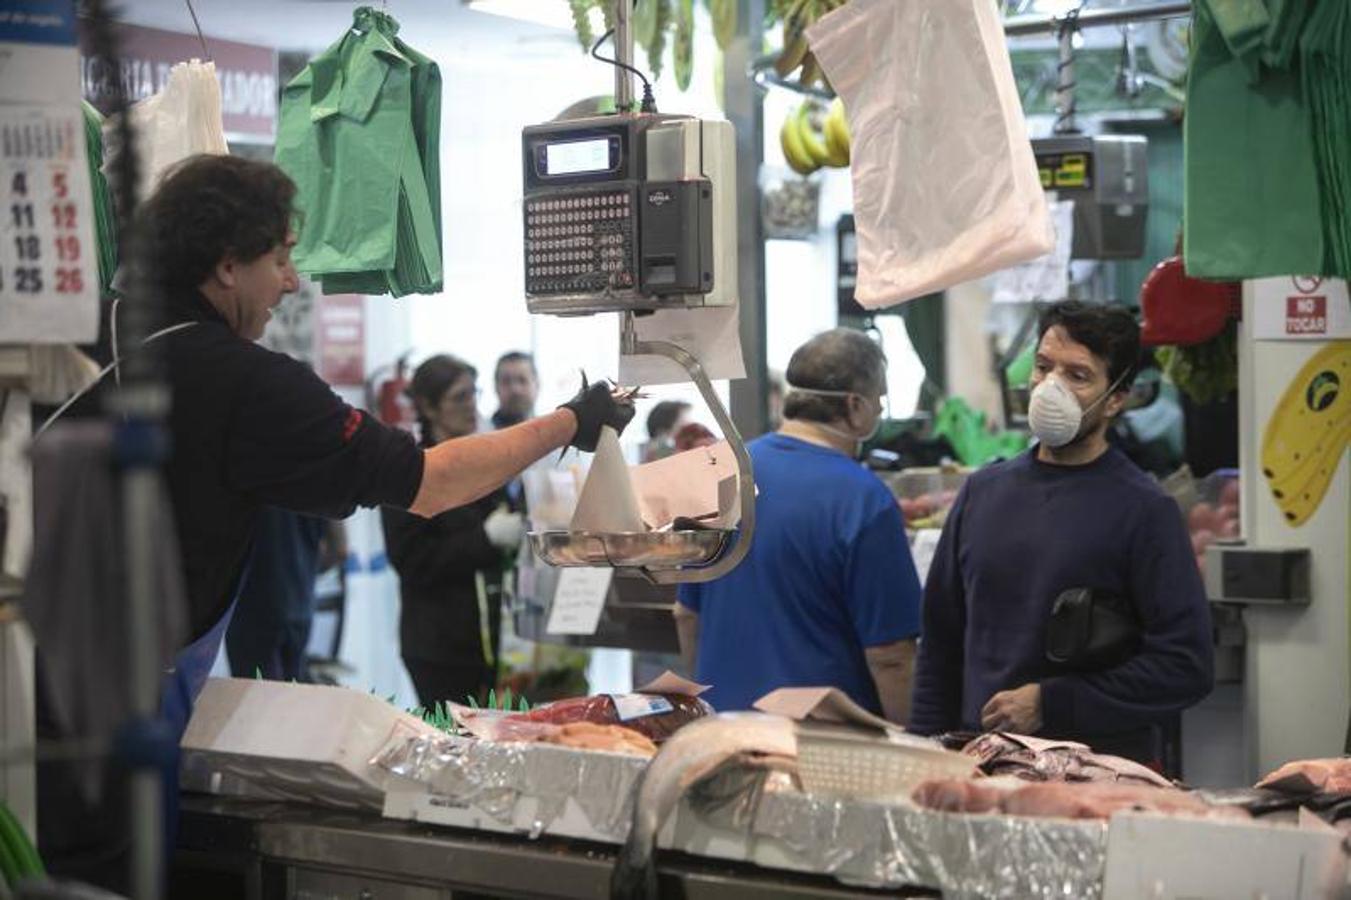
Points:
x=259, y=850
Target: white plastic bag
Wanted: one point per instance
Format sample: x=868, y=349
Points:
x=945, y=184
x=182, y=120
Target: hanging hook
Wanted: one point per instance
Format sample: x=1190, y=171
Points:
x=206, y=51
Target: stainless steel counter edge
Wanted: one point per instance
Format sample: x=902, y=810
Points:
x=292, y=835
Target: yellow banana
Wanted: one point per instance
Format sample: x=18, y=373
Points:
x=1300, y=503
x=1308, y=433
x=1288, y=478
x=790, y=139
x=837, y=135
x=806, y=120
x=1316, y=404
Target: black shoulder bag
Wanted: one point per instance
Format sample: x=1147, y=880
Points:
x=1091, y=629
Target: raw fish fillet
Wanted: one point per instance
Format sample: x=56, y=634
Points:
x=1311, y=776
x=693, y=754
x=1067, y=800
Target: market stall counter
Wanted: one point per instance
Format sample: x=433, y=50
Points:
x=653, y=794
x=262, y=850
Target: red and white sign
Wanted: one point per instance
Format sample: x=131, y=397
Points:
x=340, y=339
x=1301, y=308
x=247, y=75
x=1306, y=315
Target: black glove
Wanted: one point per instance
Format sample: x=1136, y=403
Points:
x=595, y=407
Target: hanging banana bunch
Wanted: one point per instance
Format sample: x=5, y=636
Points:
x=657, y=23
x=812, y=137
x=797, y=16
x=581, y=22
x=663, y=14
x=724, y=15
x=683, y=49
x=644, y=23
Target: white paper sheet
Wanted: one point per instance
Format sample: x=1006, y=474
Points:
x=579, y=600
x=608, y=503
x=712, y=335
x=1045, y=278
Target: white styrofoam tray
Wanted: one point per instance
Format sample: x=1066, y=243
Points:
x=305, y=742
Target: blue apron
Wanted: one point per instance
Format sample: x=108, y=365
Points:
x=178, y=693
x=192, y=666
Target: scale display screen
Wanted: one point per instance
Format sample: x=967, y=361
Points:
x=577, y=157
x=1065, y=170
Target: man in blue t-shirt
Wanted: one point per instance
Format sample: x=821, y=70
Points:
x=1070, y=513
x=827, y=595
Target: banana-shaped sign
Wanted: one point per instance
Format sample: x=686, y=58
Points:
x=1308, y=433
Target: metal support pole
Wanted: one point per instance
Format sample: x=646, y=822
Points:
x=137, y=413
x=624, y=53
x=139, y=493
x=744, y=105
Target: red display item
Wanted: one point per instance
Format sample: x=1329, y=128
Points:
x=602, y=710
x=1178, y=310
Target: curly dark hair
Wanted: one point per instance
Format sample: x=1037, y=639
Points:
x=207, y=208
x=1109, y=332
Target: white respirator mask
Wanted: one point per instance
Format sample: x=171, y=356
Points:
x=1054, y=413
x=858, y=441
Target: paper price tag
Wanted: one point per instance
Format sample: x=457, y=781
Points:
x=578, y=601
x=635, y=706
x=48, y=260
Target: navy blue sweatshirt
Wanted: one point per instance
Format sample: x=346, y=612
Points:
x=1019, y=534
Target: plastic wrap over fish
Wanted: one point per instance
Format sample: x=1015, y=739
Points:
x=495, y=777
x=878, y=845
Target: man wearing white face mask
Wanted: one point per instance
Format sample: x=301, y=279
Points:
x=828, y=595
x=1070, y=513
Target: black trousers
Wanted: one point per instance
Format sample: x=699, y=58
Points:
x=437, y=681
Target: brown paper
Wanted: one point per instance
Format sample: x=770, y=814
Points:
x=687, y=484
x=669, y=682
x=822, y=704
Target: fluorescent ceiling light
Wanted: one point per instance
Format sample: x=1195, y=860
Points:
x=550, y=13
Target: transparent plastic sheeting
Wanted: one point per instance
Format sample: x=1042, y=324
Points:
x=946, y=188
x=893, y=845
x=772, y=823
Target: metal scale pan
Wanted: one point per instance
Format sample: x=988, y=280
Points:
x=664, y=557
x=635, y=550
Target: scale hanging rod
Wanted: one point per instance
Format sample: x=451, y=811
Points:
x=624, y=54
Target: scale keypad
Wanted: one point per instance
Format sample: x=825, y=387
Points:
x=580, y=242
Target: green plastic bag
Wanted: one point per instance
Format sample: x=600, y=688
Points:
x=105, y=215
x=359, y=133
x=1326, y=68
x=1252, y=204
x=968, y=433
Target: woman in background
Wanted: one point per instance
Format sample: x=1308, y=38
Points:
x=450, y=566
